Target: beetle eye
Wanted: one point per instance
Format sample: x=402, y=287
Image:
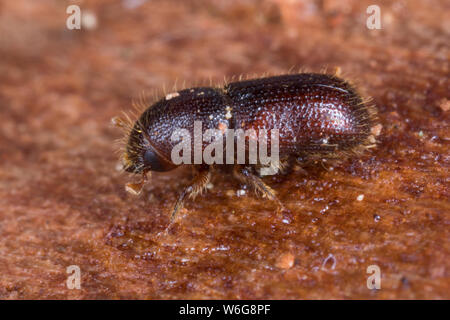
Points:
x=152, y=161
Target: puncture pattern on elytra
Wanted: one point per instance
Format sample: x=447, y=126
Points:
x=317, y=115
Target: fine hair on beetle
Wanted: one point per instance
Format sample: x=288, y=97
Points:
x=257, y=124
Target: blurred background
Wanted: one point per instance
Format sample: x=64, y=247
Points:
x=61, y=194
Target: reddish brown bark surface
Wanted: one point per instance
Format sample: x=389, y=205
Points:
x=62, y=200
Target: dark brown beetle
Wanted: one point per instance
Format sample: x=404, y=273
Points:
x=316, y=116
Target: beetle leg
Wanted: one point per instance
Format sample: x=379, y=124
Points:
x=246, y=175
x=283, y=166
x=197, y=186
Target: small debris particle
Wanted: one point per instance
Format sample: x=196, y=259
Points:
x=229, y=193
x=172, y=95
x=328, y=259
x=404, y=281
x=211, y=117
x=376, y=218
x=89, y=20
x=228, y=115
x=444, y=104
x=209, y=186
x=241, y=192
x=360, y=197
x=285, y=261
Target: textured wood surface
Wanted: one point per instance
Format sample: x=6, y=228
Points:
x=62, y=200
